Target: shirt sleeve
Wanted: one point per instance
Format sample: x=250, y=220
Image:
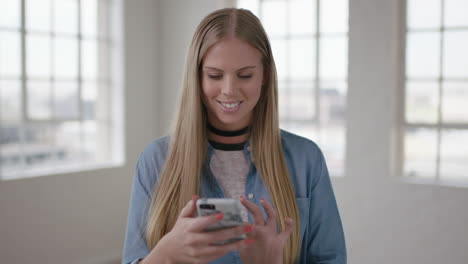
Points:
x=326, y=243
x=135, y=243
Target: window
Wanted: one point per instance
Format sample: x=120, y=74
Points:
x=59, y=99
x=435, y=120
x=309, y=39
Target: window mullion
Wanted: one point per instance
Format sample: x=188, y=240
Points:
x=441, y=74
x=317, y=67
x=24, y=97
x=402, y=80
x=80, y=81
x=52, y=80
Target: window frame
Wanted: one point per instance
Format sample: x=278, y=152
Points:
x=439, y=125
x=109, y=89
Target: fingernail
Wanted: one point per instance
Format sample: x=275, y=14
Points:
x=289, y=219
x=242, y=197
x=247, y=228
x=219, y=216
x=248, y=241
x=262, y=200
x=194, y=197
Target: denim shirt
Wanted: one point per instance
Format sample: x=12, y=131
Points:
x=321, y=232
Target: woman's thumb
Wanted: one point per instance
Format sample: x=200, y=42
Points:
x=190, y=208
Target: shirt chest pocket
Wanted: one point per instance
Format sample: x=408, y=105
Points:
x=303, y=208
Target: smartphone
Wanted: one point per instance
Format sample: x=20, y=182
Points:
x=230, y=208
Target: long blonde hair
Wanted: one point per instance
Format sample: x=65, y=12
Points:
x=180, y=175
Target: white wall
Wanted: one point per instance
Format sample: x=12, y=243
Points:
x=80, y=218
x=387, y=220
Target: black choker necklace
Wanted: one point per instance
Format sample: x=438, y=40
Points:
x=227, y=147
x=225, y=133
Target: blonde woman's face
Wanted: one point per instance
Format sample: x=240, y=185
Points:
x=231, y=80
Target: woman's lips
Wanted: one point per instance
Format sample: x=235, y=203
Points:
x=230, y=106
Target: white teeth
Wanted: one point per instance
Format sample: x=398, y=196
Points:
x=230, y=106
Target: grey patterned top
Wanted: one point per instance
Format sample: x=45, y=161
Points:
x=230, y=169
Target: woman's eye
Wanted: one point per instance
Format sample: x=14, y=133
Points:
x=245, y=76
x=216, y=77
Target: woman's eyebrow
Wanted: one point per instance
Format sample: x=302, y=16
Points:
x=241, y=69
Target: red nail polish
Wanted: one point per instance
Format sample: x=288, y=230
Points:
x=242, y=197
x=248, y=241
x=194, y=197
x=247, y=228
x=263, y=199
x=219, y=216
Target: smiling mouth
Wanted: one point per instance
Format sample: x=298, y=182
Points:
x=230, y=105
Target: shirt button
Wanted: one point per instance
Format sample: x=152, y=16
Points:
x=250, y=196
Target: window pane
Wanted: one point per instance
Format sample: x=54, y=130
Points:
x=456, y=13
x=454, y=154
x=334, y=16
x=279, y=50
x=274, y=17
x=89, y=62
x=10, y=54
x=68, y=142
x=420, y=153
x=66, y=16
x=303, y=63
x=10, y=150
x=333, y=103
x=38, y=15
x=302, y=17
x=301, y=101
x=422, y=55
x=332, y=143
x=421, y=102
x=423, y=14
x=10, y=101
x=334, y=58
x=456, y=54
x=454, y=102
x=90, y=146
x=38, y=147
x=66, y=58
x=38, y=56
x=89, y=99
x=11, y=13
x=66, y=104
x=89, y=17
x=39, y=100
x=251, y=5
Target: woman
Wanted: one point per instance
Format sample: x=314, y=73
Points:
x=226, y=142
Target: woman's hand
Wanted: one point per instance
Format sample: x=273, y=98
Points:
x=268, y=243
x=188, y=243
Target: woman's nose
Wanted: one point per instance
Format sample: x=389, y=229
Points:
x=229, y=86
